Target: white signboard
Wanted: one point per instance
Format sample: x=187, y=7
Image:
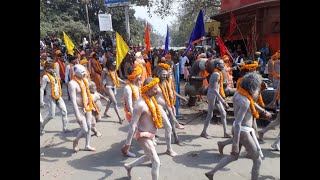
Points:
x=105, y=22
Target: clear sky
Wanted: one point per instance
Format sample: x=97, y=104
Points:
x=160, y=25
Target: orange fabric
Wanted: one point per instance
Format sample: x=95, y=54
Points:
x=144, y=71
x=147, y=39
x=71, y=71
x=97, y=79
x=62, y=68
x=148, y=69
x=204, y=74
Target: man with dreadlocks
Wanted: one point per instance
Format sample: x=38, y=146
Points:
x=131, y=95
x=51, y=83
x=112, y=83
x=215, y=95
x=243, y=133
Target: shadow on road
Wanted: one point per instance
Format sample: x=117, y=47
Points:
x=109, y=158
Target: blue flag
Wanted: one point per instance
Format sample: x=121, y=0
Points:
x=166, y=46
x=198, y=33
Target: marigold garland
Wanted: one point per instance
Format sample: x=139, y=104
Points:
x=61, y=67
x=164, y=66
x=98, y=64
x=95, y=107
x=83, y=89
x=172, y=98
x=249, y=67
x=156, y=114
x=115, y=78
x=221, y=83
x=145, y=88
x=245, y=93
x=53, y=95
x=137, y=71
x=165, y=94
x=260, y=100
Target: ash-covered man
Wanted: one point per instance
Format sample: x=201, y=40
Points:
x=243, y=132
x=82, y=105
x=52, y=85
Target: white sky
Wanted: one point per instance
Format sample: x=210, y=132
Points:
x=160, y=25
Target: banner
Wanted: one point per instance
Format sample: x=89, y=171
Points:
x=212, y=28
x=105, y=22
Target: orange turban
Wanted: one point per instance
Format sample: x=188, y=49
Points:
x=58, y=52
x=136, y=72
x=168, y=56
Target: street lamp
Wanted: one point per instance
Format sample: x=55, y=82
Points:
x=86, y=2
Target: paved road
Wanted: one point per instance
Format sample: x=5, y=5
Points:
x=197, y=156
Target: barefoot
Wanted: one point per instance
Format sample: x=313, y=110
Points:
x=130, y=154
x=209, y=176
x=121, y=121
x=171, y=153
x=226, y=135
x=89, y=148
x=98, y=134
x=260, y=134
x=179, y=126
x=220, y=147
x=178, y=143
x=75, y=146
x=205, y=135
x=128, y=170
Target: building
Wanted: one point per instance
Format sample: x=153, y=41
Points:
x=258, y=21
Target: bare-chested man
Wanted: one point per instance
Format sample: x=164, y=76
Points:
x=112, y=83
x=51, y=83
x=215, y=96
x=131, y=95
x=97, y=106
x=146, y=120
x=173, y=94
x=82, y=105
x=243, y=133
x=163, y=100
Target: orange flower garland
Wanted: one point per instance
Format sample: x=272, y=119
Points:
x=150, y=85
x=249, y=67
x=238, y=82
x=221, y=83
x=172, y=99
x=98, y=64
x=137, y=71
x=83, y=89
x=165, y=94
x=115, y=79
x=156, y=114
x=260, y=101
x=61, y=67
x=245, y=93
x=164, y=66
x=96, y=107
x=53, y=95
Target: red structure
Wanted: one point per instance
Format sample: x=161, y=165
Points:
x=258, y=21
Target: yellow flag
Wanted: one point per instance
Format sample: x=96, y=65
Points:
x=69, y=44
x=121, y=48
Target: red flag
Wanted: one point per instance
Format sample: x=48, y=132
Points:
x=233, y=24
x=147, y=39
x=223, y=48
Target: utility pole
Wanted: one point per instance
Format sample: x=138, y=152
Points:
x=86, y=2
x=126, y=11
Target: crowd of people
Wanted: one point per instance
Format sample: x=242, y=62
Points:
x=150, y=95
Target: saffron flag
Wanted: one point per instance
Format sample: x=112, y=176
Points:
x=147, y=39
x=223, y=48
x=233, y=24
x=166, y=46
x=69, y=44
x=198, y=33
x=121, y=48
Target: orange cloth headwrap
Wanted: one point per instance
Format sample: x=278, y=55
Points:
x=137, y=71
x=164, y=66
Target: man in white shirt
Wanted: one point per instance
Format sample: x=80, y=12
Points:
x=183, y=60
x=70, y=71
